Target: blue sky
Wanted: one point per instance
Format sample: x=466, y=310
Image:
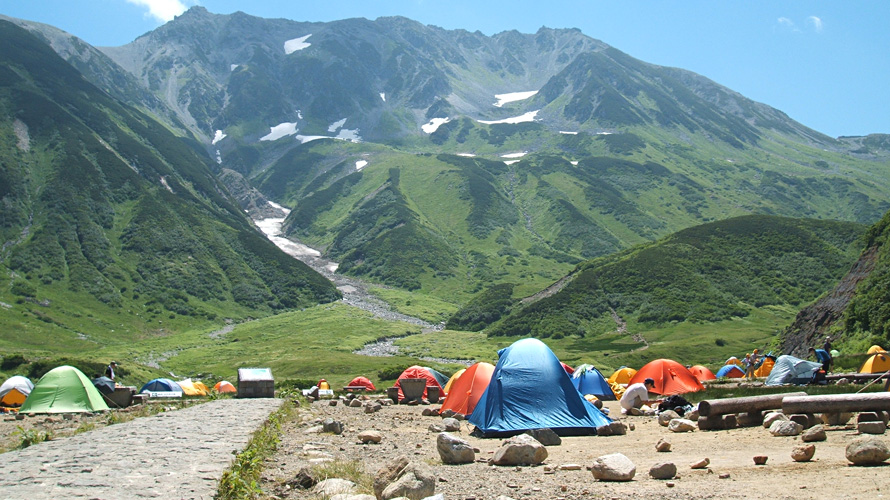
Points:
x=824, y=63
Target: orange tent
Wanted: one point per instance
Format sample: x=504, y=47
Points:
x=362, y=381
x=702, y=373
x=622, y=375
x=223, y=387
x=417, y=372
x=670, y=377
x=468, y=388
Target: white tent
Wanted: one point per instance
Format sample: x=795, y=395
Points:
x=791, y=370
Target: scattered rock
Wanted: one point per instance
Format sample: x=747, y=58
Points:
x=305, y=479
x=878, y=427
x=701, y=464
x=451, y=424
x=772, y=417
x=570, y=467
x=813, y=434
x=614, y=428
x=665, y=417
x=454, y=450
x=663, y=445
x=632, y=426
x=334, y=486
x=520, y=450
x=867, y=450
x=803, y=452
x=370, y=436
x=333, y=402
x=725, y=475
x=681, y=425
x=428, y=412
x=402, y=478
x=665, y=470
x=436, y=427
x=785, y=428
x=447, y=413
x=334, y=426
x=760, y=459
x=693, y=415
x=842, y=381
x=315, y=429
x=836, y=418
x=614, y=467
x=545, y=436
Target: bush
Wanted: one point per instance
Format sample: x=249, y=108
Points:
x=12, y=361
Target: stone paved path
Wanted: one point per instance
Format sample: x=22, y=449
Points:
x=179, y=454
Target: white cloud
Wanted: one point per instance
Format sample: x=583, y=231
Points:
x=786, y=23
x=162, y=10
x=816, y=23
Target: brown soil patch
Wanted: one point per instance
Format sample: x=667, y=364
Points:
x=731, y=453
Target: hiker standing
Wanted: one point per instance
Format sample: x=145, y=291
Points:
x=109, y=370
x=750, y=362
x=823, y=357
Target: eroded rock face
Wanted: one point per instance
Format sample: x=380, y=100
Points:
x=520, y=450
x=813, y=322
x=614, y=467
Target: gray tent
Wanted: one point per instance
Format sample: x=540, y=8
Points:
x=791, y=370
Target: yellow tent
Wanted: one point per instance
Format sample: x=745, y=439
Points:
x=875, y=349
x=452, y=379
x=201, y=387
x=733, y=361
x=622, y=376
x=189, y=389
x=876, y=363
x=765, y=368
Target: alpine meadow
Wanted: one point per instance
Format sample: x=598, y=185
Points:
x=442, y=191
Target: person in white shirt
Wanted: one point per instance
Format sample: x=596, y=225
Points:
x=637, y=395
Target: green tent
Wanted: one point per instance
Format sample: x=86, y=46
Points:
x=63, y=390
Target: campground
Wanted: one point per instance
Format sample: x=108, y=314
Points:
x=405, y=433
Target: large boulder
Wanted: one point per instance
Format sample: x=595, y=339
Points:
x=803, y=452
x=451, y=424
x=681, y=425
x=454, y=450
x=785, y=428
x=401, y=478
x=665, y=470
x=545, y=436
x=771, y=417
x=867, y=451
x=334, y=426
x=813, y=434
x=614, y=467
x=370, y=436
x=334, y=486
x=520, y=450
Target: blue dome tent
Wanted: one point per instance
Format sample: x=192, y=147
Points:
x=731, y=371
x=588, y=380
x=161, y=385
x=529, y=389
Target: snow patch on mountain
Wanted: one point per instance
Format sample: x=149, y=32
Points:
x=568, y=133
x=434, y=125
x=296, y=44
x=337, y=125
x=309, y=138
x=218, y=136
x=361, y=164
x=527, y=117
x=513, y=97
x=514, y=155
x=350, y=135
x=467, y=155
x=383, y=96
x=279, y=131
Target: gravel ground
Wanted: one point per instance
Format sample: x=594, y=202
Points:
x=732, y=473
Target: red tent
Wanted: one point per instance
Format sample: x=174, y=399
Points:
x=702, y=373
x=364, y=382
x=670, y=377
x=418, y=372
x=567, y=368
x=468, y=388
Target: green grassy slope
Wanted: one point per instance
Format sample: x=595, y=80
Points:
x=112, y=228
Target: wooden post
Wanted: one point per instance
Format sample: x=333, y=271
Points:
x=748, y=404
x=836, y=403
